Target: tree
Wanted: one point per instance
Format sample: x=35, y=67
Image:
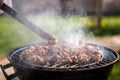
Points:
x=99, y=12
x=63, y=6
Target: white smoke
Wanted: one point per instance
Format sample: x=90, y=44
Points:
x=70, y=28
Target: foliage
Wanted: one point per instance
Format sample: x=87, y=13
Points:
x=110, y=26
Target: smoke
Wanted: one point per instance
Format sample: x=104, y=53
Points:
x=69, y=28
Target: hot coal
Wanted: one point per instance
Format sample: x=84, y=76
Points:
x=61, y=55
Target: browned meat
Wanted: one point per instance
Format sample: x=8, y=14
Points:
x=61, y=55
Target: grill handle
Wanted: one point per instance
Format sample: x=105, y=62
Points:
x=8, y=77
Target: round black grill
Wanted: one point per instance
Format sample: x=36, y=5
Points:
x=109, y=57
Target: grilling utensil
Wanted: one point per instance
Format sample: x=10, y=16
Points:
x=27, y=23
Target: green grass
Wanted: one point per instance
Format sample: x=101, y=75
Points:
x=110, y=26
x=13, y=34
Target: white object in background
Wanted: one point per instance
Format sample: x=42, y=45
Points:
x=9, y=2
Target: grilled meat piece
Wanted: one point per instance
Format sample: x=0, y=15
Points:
x=61, y=55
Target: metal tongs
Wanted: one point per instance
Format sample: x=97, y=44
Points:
x=27, y=23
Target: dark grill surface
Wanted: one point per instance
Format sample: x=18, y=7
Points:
x=104, y=62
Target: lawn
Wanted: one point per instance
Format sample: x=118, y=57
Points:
x=13, y=34
x=110, y=26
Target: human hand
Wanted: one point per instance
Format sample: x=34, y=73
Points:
x=1, y=2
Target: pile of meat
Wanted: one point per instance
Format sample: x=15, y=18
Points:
x=61, y=55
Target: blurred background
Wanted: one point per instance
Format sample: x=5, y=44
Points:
x=97, y=19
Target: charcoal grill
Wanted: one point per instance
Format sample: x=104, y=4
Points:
x=98, y=71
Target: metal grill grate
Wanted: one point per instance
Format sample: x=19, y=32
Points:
x=108, y=57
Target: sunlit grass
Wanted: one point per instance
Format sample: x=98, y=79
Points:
x=111, y=21
x=109, y=26
x=13, y=34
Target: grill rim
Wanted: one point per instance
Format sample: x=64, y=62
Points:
x=62, y=70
